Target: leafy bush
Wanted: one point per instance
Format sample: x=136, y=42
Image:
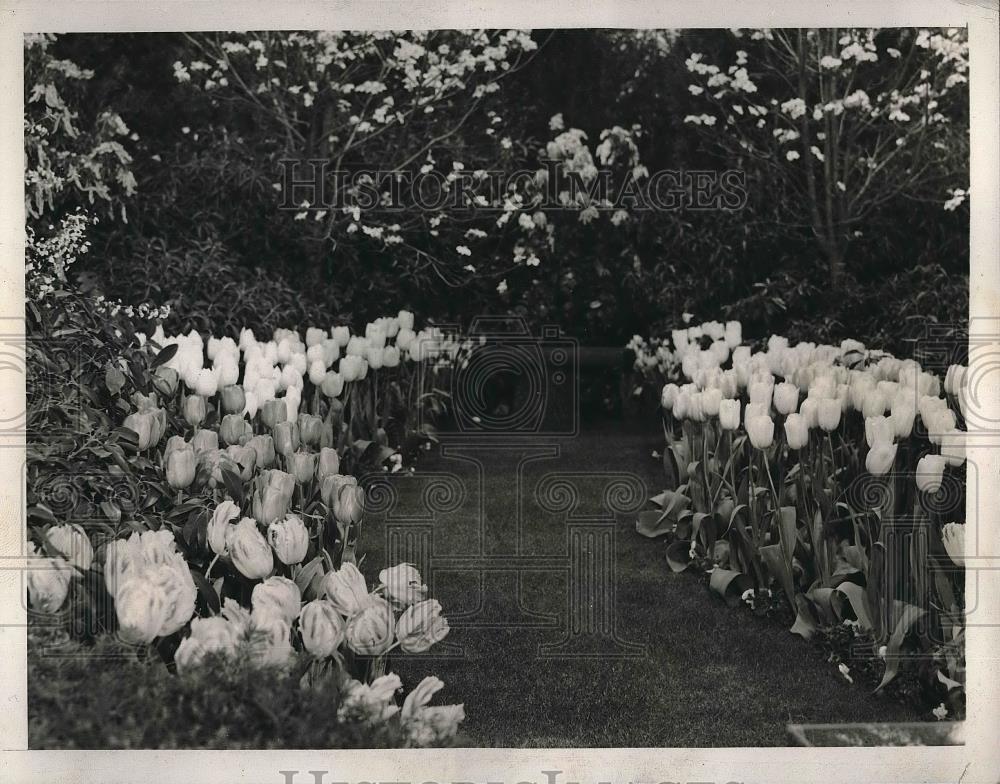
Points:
x=105, y=697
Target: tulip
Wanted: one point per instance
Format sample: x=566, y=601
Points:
x=954, y=380
x=173, y=444
x=874, y=404
x=278, y=595
x=711, y=399
x=729, y=414
x=289, y=538
x=263, y=446
x=48, y=581
x=232, y=429
x=180, y=465
x=668, y=396
x=828, y=413
x=390, y=357
x=143, y=424
x=796, y=431
x=245, y=459
x=272, y=496
x=421, y=626
x=930, y=472
x=273, y=412
x=405, y=319
x=370, y=632
x=174, y=580
x=880, y=458
x=269, y=639
x=761, y=431
x=810, y=412
x=754, y=410
x=314, y=336
x=302, y=465
x=195, y=410
x=249, y=550
x=346, y=590
x=220, y=530
x=204, y=442
x=940, y=422
x=878, y=429
x=328, y=464
x=761, y=392
x=953, y=447
x=322, y=628
x=141, y=607
x=286, y=438
x=310, y=429
x=234, y=399
x=786, y=398
x=402, y=584
x=342, y=335
x=902, y=422
x=72, y=543
x=207, y=383
x=953, y=537
x=350, y=505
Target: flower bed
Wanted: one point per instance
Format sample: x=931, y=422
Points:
x=221, y=509
x=827, y=480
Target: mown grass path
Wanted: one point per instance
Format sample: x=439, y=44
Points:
x=696, y=673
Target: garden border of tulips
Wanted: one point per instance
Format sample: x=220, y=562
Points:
x=197, y=502
x=823, y=486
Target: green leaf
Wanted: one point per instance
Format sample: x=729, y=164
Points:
x=909, y=614
x=164, y=355
x=234, y=485
x=729, y=584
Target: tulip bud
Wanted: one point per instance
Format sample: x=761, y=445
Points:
x=302, y=465
x=180, y=466
x=143, y=424
x=878, y=429
x=207, y=383
x=263, y=446
x=249, y=551
x=310, y=429
x=322, y=628
x=277, y=595
x=880, y=458
x=796, y=431
x=761, y=431
x=272, y=496
x=370, y=632
x=786, y=398
x=669, y=396
x=273, y=412
x=874, y=404
x=232, y=429
x=953, y=538
x=390, y=357
x=234, y=399
x=930, y=472
x=204, y=441
x=195, y=410
x=346, y=590
x=729, y=414
x=72, y=543
x=711, y=399
x=220, y=529
x=761, y=392
x=329, y=463
x=421, y=626
x=286, y=438
x=828, y=414
x=350, y=505
x=48, y=582
x=342, y=335
x=314, y=336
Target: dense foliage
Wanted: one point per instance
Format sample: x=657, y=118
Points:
x=202, y=123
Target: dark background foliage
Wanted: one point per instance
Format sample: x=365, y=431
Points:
x=204, y=233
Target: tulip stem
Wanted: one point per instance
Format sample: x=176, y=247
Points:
x=208, y=571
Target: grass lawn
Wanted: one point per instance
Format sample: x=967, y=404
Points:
x=706, y=675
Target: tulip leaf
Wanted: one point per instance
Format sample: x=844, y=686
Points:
x=774, y=560
x=679, y=555
x=909, y=614
x=729, y=584
x=164, y=355
x=305, y=576
x=805, y=624
x=206, y=592
x=234, y=484
x=856, y=596
x=652, y=523
x=111, y=511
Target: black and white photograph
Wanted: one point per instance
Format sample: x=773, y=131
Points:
x=578, y=386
